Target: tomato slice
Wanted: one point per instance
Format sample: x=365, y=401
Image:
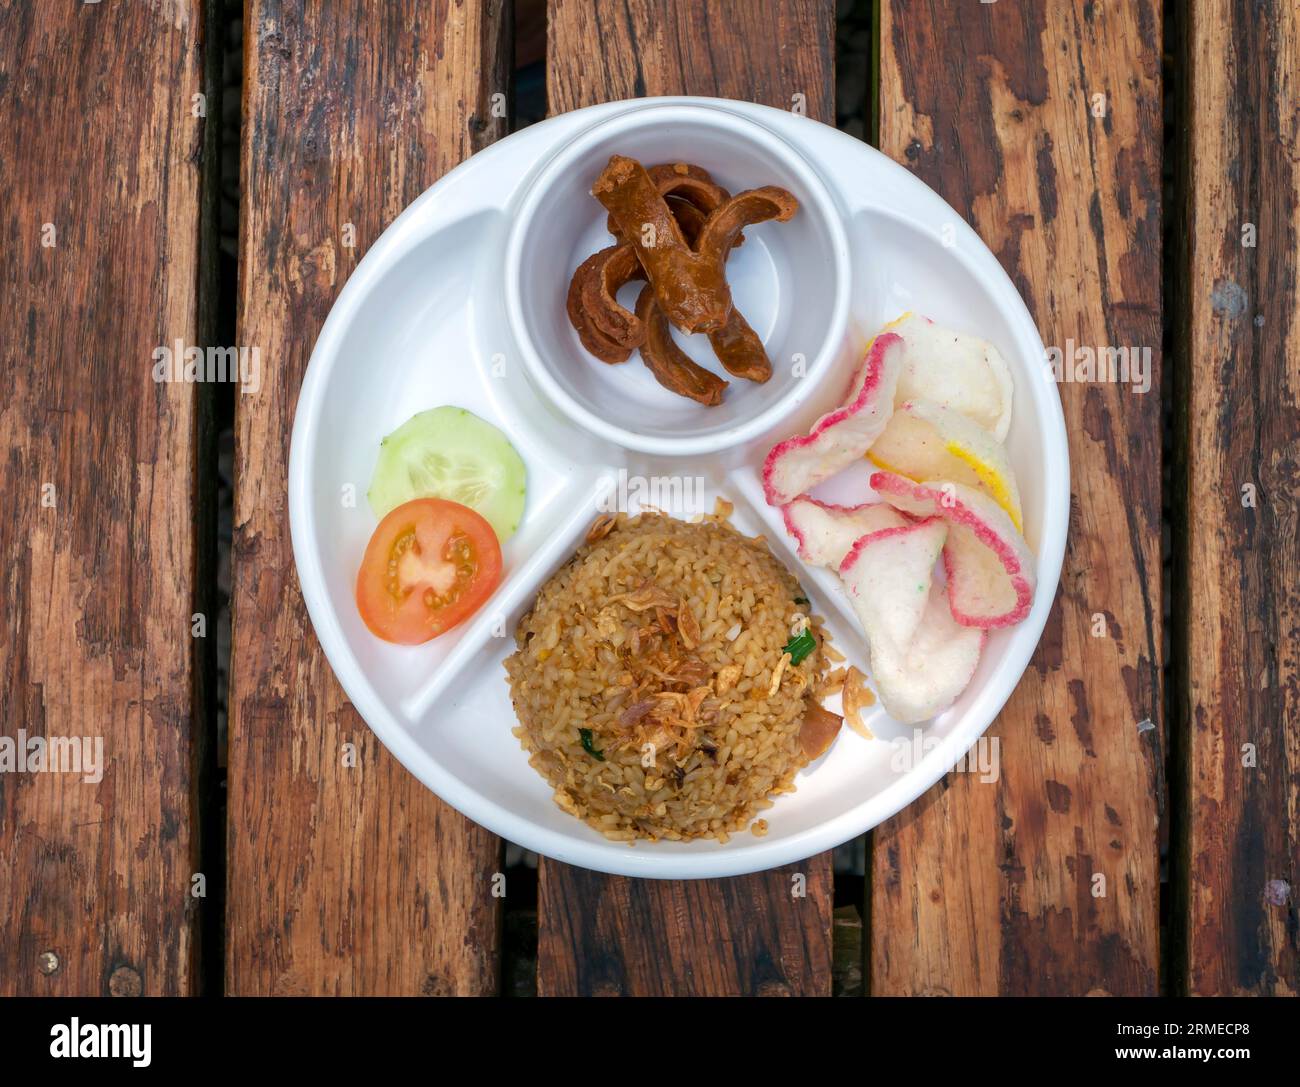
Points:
x=430, y=564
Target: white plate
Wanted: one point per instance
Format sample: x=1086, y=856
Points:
x=423, y=322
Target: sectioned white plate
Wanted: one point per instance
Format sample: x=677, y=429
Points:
x=423, y=322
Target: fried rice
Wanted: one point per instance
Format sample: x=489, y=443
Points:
x=652, y=683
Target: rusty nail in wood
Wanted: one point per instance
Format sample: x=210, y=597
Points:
x=125, y=981
x=1277, y=892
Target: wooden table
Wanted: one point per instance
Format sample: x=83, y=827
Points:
x=1136, y=170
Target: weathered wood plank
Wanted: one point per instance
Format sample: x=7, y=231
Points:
x=611, y=936
x=102, y=167
x=990, y=888
x=768, y=53
x=1241, y=429
x=341, y=880
x=751, y=935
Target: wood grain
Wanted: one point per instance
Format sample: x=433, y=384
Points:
x=102, y=167
x=350, y=881
x=751, y=935
x=989, y=888
x=766, y=53
x=1241, y=386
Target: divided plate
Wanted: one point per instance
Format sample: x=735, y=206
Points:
x=421, y=323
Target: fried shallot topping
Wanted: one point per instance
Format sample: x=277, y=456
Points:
x=667, y=693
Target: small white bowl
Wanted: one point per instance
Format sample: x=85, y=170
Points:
x=790, y=280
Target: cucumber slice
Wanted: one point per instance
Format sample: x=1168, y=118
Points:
x=451, y=453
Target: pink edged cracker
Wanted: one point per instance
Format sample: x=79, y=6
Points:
x=990, y=567
x=842, y=436
x=826, y=532
x=921, y=659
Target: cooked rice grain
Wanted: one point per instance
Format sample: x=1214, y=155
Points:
x=686, y=737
